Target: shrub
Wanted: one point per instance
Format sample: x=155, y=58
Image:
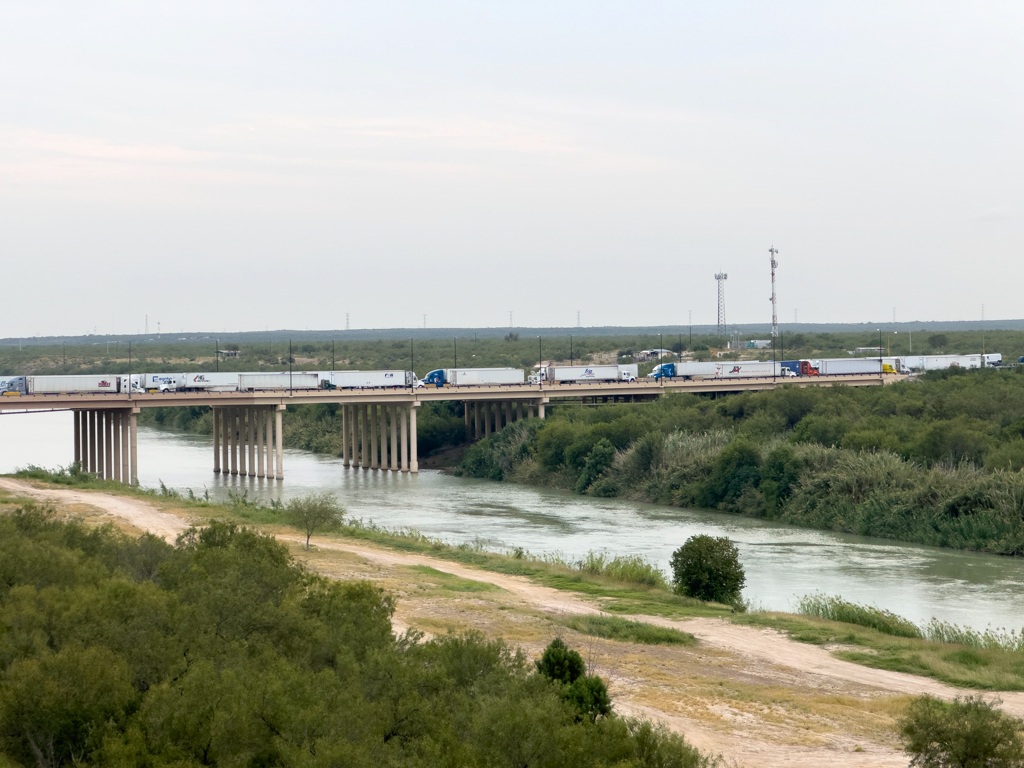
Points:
x=967, y=732
x=736, y=469
x=598, y=460
x=708, y=568
x=317, y=511
x=587, y=694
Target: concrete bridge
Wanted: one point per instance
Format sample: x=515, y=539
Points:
x=379, y=425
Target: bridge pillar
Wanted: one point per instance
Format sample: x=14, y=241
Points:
x=279, y=441
x=268, y=430
x=540, y=409
x=91, y=425
x=486, y=407
x=394, y=437
x=261, y=443
x=116, y=440
x=383, y=436
x=215, y=413
x=529, y=410
x=241, y=440
x=404, y=443
x=252, y=439
x=232, y=414
x=346, y=422
x=364, y=444
x=497, y=417
x=373, y=435
x=414, y=465
x=133, y=437
x=126, y=448
x=519, y=410
x=476, y=419
x=508, y=412
x=77, y=416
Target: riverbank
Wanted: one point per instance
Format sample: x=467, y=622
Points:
x=749, y=692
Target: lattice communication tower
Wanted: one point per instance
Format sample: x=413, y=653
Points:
x=721, y=277
x=775, y=316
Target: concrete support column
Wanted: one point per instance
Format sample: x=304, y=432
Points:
x=529, y=410
x=497, y=417
x=108, y=444
x=414, y=465
x=126, y=448
x=355, y=435
x=540, y=410
x=101, y=443
x=225, y=440
x=91, y=422
x=346, y=423
x=115, y=441
x=486, y=406
x=268, y=441
x=78, y=437
x=476, y=419
x=405, y=438
x=243, y=438
x=508, y=412
x=252, y=440
x=133, y=438
x=393, y=412
x=519, y=410
x=233, y=426
x=216, y=440
x=364, y=443
x=465, y=413
x=279, y=437
x=383, y=437
x=260, y=442
x=373, y=436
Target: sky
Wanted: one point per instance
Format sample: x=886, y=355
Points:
x=240, y=166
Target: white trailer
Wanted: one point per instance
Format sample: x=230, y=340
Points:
x=941, y=362
x=747, y=369
x=579, y=373
x=59, y=385
x=848, y=366
x=463, y=377
x=249, y=382
x=364, y=379
x=161, y=382
x=217, y=382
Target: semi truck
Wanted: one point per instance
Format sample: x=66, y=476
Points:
x=941, y=362
x=364, y=379
x=847, y=367
x=685, y=370
x=748, y=369
x=59, y=385
x=472, y=377
x=732, y=370
x=249, y=382
x=13, y=385
x=569, y=374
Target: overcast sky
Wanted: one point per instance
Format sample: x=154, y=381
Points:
x=239, y=166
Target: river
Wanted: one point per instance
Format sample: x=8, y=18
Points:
x=782, y=562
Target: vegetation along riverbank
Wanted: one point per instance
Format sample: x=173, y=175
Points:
x=934, y=461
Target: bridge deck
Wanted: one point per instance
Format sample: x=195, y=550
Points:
x=546, y=392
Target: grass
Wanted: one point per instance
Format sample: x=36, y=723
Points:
x=627, y=630
x=979, y=668
x=451, y=583
x=837, y=609
x=633, y=569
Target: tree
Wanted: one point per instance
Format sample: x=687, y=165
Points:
x=315, y=512
x=587, y=694
x=969, y=732
x=938, y=341
x=708, y=568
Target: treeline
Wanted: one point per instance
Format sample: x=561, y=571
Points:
x=935, y=461
x=220, y=650
x=517, y=350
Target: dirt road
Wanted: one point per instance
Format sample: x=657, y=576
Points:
x=763, y=648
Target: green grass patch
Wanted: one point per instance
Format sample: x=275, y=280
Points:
x=837, y=609
x=453, y=583
x=627, y=630
x=979, y=668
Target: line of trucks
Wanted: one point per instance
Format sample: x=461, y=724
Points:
x=462, y=377
x=843, y=366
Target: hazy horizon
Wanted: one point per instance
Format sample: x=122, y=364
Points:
x=245, y=166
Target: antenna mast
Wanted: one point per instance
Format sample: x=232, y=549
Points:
x=721, y=277
x=775, y=317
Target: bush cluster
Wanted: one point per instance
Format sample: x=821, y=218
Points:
x=221, y=651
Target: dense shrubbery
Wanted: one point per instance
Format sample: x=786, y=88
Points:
x=968, y=732
x=708, y=568
x=221, y=651
x=935, y=461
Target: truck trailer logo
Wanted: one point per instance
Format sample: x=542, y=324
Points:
x=104, y=384
x=735, y=369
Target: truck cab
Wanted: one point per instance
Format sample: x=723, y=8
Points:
x=433, y=379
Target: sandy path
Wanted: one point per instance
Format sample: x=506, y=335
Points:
x=759, y=644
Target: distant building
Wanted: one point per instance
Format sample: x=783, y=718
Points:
x=759, y=344
x=227, y=352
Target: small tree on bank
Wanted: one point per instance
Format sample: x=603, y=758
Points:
x=708, y=568
x=968, y=732
x=315, y=512
x=587, y=694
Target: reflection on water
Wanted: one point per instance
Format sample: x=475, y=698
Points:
x=782, y=562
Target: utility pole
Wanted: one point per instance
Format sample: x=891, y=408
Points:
x=332, y=355
x=216, y=352
x=147, y=325
x=578, y=319
x=510, y=319
x=289, y=366
x=690, y=311
x=424, y=320
x=775, y=317
x=347, y=326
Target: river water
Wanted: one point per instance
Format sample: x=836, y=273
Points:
x=782, y=562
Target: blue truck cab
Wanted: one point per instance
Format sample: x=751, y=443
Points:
x=434, y=378
x=664, y=370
